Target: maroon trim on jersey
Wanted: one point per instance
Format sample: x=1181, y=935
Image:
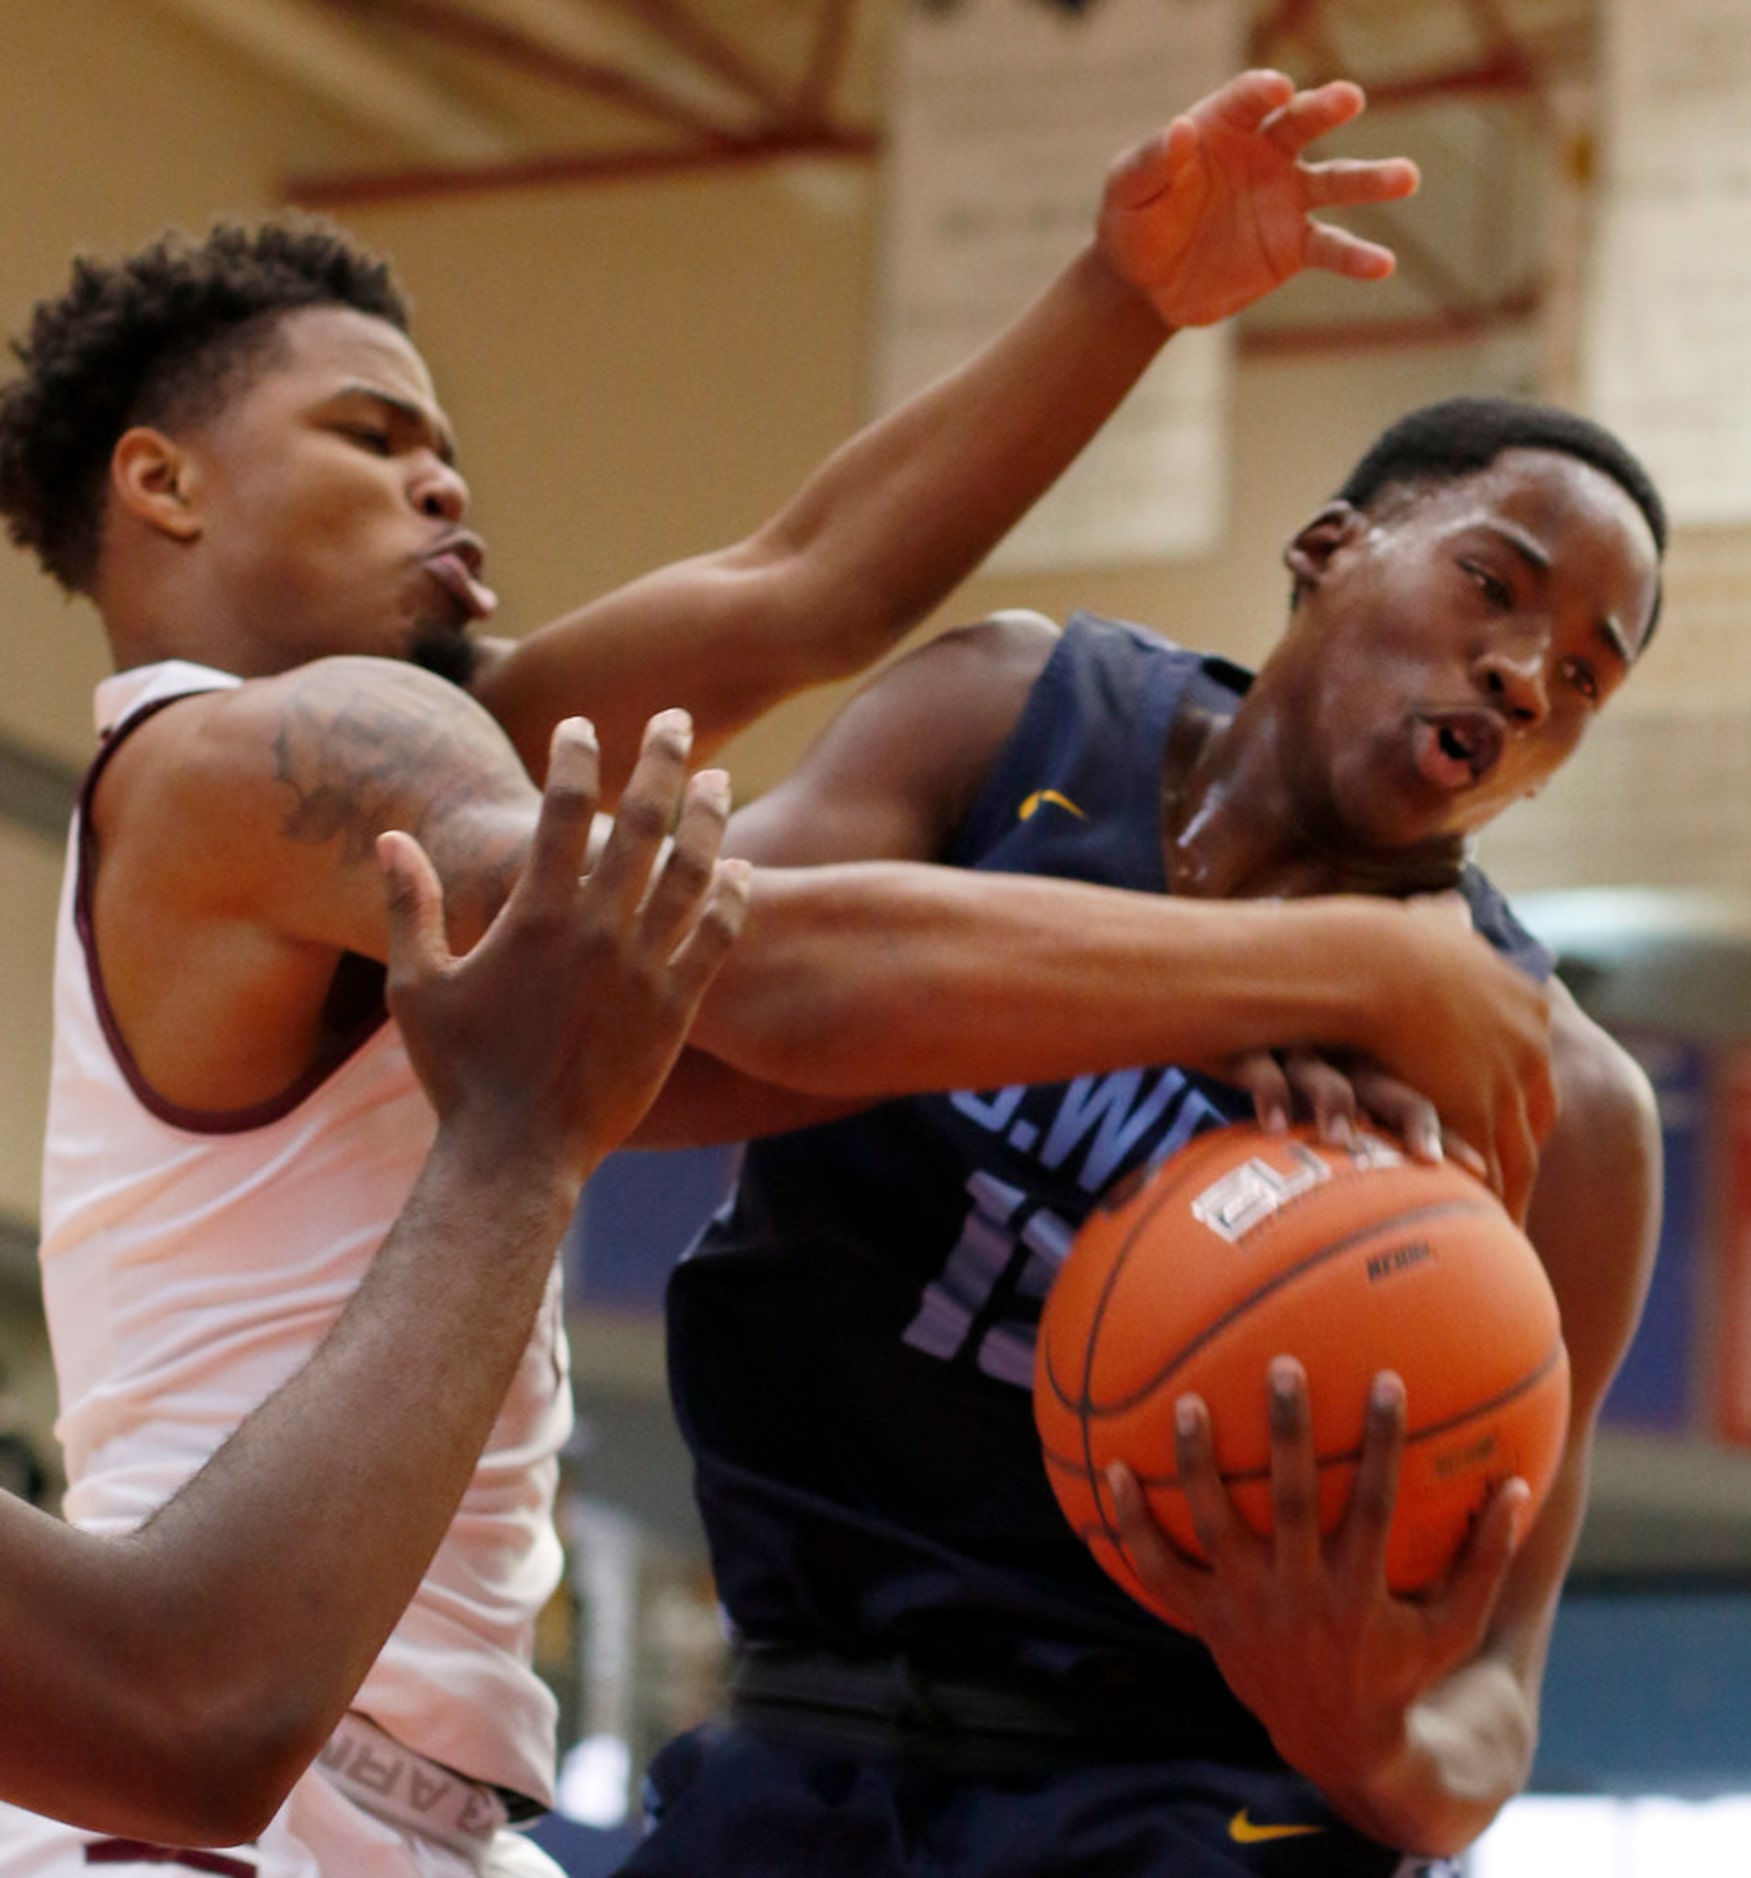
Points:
x=139, y=1852
x=191, y=1121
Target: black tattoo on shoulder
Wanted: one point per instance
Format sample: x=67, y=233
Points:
x=361, y=749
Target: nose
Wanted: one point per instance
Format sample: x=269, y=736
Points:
x=1512, y=675
x=439, y=491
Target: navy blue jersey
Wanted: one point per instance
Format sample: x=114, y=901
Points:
x=851, y=1341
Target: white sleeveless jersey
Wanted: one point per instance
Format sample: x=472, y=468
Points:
x=192, y=1263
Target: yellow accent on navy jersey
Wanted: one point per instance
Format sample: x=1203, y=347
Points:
x=1243, y=1831
x=1038, y=800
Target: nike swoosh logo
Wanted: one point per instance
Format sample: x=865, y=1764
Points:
x=1242, y=1830
x=1040, y=798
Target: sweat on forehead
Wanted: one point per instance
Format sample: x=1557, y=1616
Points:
x=1458, y=437
x=162, y=330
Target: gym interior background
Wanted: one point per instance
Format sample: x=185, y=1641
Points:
x=646, y=241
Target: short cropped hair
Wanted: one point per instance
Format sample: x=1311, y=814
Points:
x=164, y=336
x=1460, y=436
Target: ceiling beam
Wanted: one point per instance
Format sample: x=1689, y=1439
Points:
x=827, y=57
x=1497, y=74
x=1449, y=326
x=509, y=46
x=710, y=50
x=594, y=34
x=349, y=74
x=1422, y=263
x=573, y=168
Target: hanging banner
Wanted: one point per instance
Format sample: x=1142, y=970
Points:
x=1668, y=343
x=1005, y=116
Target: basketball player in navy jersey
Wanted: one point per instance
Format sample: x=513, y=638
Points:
x=932, y=1674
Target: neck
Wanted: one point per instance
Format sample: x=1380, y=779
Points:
x=144, y=640
x=155, y=605
x=1240, y=822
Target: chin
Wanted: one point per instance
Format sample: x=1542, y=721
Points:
x=446, y=653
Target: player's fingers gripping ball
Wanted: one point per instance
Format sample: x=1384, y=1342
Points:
x=1246, y=1246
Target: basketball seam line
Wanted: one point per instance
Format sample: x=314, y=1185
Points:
x=1423, y=1435
x=1082, y=1406
x=1190, y=1167
x=1170, y=1189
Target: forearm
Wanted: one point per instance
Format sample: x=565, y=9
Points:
x=377, y=1470
x=185, y=1675
x=1465, y=1746
x=881, y=978
x=895, y=519
x=1195, y=223
x=883, y=531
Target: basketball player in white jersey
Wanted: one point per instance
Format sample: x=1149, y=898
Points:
x=171, y=1684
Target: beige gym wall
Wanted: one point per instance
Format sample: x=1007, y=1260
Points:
x=642, y=369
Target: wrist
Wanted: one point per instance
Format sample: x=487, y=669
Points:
x=1373, y=1787
x=1357, y=951
x=1429, y=1777
x=1104, y=276
x=496, y=1163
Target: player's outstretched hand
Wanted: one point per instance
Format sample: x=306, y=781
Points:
x=1211, y=213
x=553, y=1034
x=1302, y=1624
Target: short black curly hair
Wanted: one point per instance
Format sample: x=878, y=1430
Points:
x=160, y=337
x=1457, y=437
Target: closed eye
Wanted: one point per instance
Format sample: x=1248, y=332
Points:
x=1490, y=585
x=371, y=437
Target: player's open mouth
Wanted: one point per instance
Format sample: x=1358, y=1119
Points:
x=456, y=568
x=1457, y=748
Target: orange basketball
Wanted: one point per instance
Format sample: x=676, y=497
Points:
x=1245, y=1246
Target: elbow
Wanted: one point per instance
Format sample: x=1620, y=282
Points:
x=822, y=617
x=1454, y=1836
x=1449, y=1826
x=213, y=1767
x=261, y=1763
x=221, y=1786
x=216, y=1815
x=226, y=1783
x=1608, y=1110
x=176, y=1715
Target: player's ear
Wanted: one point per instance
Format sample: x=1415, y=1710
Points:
x=152, y=478
x=1308, y=552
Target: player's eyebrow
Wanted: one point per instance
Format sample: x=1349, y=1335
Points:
x=415, y=416
x=1521, y=543
x=1615, y=639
